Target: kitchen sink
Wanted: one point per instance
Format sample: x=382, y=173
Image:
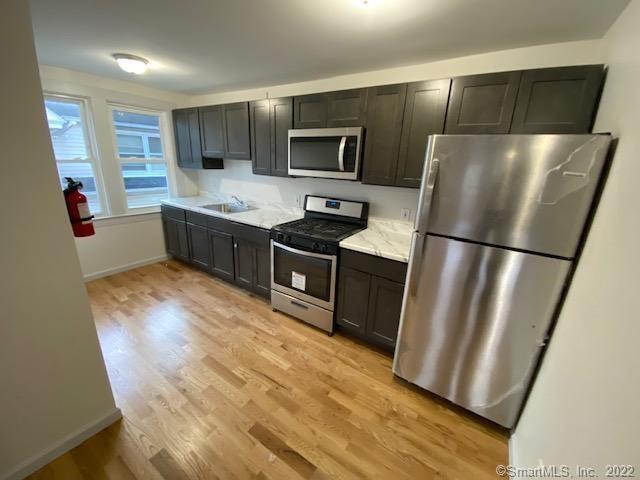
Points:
x=228, y=207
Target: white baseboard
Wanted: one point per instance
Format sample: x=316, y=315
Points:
x=124, y=268
x=54, y=451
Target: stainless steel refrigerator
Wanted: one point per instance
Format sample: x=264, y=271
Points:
x=499, y=221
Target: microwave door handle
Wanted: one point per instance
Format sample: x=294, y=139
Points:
x=343, y=142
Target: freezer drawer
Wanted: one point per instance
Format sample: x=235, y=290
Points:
x=528, y=192
x=473, y=322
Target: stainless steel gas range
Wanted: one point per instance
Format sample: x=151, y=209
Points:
x=304, y=258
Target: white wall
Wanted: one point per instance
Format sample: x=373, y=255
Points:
x=129, y=241
x=54, y=386
x=585, y=405
x=121, y=244
x=237, y=179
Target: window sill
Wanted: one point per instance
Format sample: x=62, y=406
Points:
x=144, y=215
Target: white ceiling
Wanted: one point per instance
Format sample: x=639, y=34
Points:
x=200, y=46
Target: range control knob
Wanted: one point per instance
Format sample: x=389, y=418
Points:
x=279, y=237
x=315, y=246
x=287, y=238
x=323, y=248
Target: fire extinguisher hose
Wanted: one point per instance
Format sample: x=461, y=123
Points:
x=83, y=219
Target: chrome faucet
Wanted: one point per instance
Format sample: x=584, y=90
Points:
x=238, y=201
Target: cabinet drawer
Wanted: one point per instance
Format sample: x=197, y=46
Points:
x=257, y=235
x=219, y=224
x=382, y=267
x=172, y=212
x=197, y=218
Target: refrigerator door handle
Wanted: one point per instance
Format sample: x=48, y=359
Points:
x=417, y=253
x=426, y=196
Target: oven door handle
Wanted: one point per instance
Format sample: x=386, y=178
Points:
x=343, y=142
x=303, y=252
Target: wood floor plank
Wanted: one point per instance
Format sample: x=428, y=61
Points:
x=215, y=385
x=283, y=451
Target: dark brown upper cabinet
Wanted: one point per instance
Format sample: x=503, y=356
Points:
x=558, y=100
x=270, y=123
x=424, y=114
x=384, y=128
x=212, y=131
x=310, y=111
x=343, y=108
x=260, y=137
x=347, y=108
x=482, y=103
x=186, y=125
x=237, y=141
x=281, y=120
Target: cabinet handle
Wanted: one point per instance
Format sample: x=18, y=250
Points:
x=235, y=245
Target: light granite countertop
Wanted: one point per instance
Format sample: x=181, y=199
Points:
x=263, y=215
x=382, y=238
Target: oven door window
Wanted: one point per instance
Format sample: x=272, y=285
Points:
x=310, y=275
x=322, y=153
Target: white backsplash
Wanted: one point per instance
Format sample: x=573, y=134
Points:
x=237, y=179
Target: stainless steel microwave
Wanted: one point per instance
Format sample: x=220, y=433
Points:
x=325, y=152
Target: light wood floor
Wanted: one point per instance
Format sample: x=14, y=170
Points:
x=213, y=384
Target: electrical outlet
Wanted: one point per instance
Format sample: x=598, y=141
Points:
x=405, y=213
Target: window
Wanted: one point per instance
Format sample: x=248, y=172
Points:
x=73, y=150
x=138, y=136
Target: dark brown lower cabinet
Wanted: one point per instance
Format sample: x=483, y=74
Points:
x=263, y=271
x=385, y=305
x=234, y=252
x=221, y=248
x=244, y=263
x=354, y=285
x=253, y=266
x=199, y=253
x=370, y=291
x=175, y=237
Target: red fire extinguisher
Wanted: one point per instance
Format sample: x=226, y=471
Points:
x=78, y=208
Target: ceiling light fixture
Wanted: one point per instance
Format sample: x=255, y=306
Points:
x=131, y=63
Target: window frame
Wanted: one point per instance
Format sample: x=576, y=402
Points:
x=164, y=160
x=90, y=142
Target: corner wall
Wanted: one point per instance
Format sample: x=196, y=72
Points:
x=54, y=389
x=129, y=241
x=584, y=408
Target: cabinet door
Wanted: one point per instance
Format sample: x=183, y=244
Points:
x=221, y=251
x=199, y=254
x=347, y=108
x=353, y=299
x=183, y=141
x=262, y=277
x=212, y=131
x=482, y=103
x=244, y=258
x=170, y=235
x=424, y=113
x=385, y=305
x=558, y=100
x=384, y=127
x=176, y=238
x=310, y=111
x=260, y=137
x=237, y=141
x=281, y=116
